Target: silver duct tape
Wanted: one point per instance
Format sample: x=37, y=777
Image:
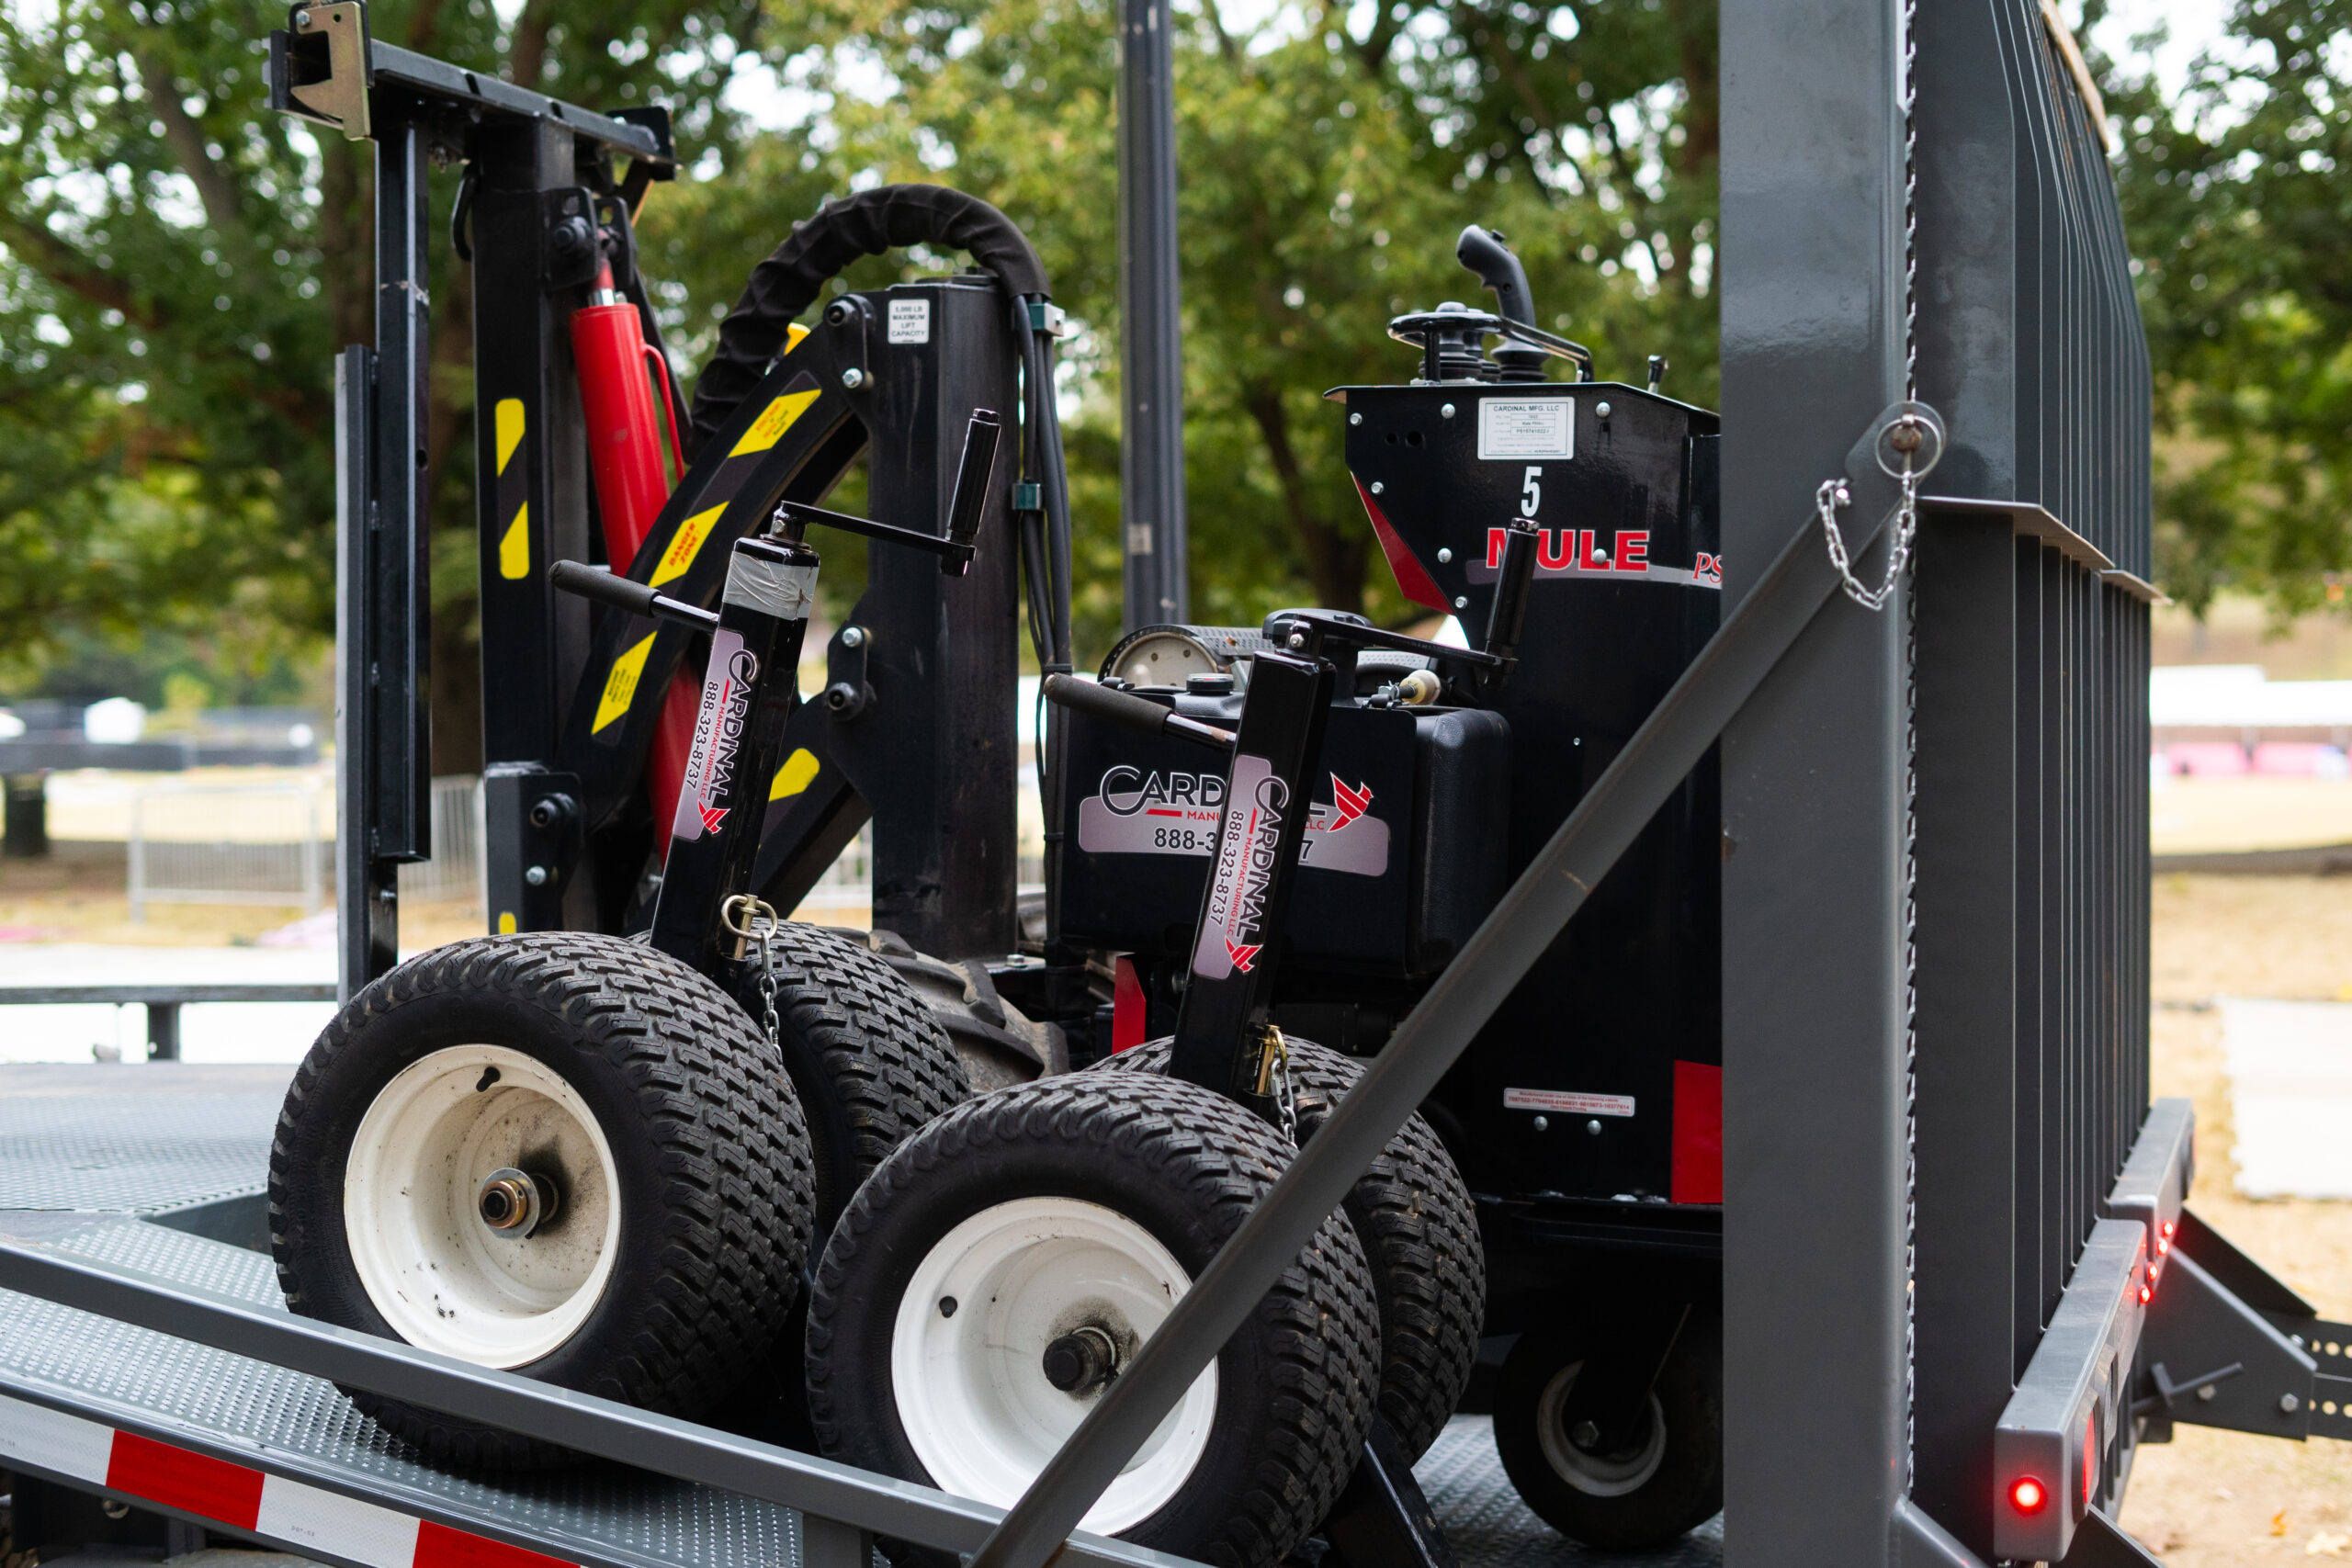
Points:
x=771, y=587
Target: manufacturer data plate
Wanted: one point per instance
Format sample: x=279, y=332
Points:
x=1513, y=428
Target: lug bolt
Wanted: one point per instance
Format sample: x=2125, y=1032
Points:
x=853, y=377
x=514, y=1202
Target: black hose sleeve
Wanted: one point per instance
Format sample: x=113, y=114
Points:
x=865, y=224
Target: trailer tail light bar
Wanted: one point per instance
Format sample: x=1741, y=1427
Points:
x=2047, y=1450
x=250, y=1502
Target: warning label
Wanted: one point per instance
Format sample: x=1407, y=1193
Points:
x=1534, y=428
x=1567, y=1102
x=909, y=321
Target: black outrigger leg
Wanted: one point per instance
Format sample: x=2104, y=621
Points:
x=750, y=691
x=1224, y=1040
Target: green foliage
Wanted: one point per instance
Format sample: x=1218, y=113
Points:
x=177, y=266
x=2238, y=205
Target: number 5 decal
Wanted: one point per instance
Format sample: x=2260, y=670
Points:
x=1531, y=494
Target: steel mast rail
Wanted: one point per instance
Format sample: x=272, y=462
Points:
x=855, y=1503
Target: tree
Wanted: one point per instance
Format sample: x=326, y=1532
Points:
x=2238, y=205
x=177, y=266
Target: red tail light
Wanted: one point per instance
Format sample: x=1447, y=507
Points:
x=2026, y=1494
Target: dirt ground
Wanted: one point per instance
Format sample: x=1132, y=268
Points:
x=78, y=897
x=2215, y=1498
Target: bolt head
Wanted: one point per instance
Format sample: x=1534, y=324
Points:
x=301, y=20
x=1542, y=1124
x=2288, y=1403
x=536, y=876
x=1584, y=1434
x=1355, y=418
x=1443, y=557
x=1601, y=408
x=1377, y=487
x=1460, y=602
x=1298, y=639
x=2206, y=1392
x=853, y=377
x=1906, y=438
x=853, y=637
x=1593, y=1126
x=1446, y=411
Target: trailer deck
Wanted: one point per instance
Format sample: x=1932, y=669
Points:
x=158, y=1170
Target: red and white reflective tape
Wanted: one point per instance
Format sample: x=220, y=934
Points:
x=244, y=1499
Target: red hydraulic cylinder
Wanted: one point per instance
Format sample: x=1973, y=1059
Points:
x=625, y=457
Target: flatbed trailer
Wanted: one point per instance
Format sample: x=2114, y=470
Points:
x=178, y=1386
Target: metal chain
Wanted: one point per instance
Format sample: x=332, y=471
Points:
x=1286, y=1092
x=1908, y=434
x=1833, y=494
x=1906, y=525
x=754, y=921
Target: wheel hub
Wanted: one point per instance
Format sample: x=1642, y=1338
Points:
x=1081, y=1360
x=514, y=1202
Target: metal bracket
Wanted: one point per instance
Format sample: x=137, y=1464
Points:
x=568, y=254
x=325, y=66
x=2196, y=1321
x=1382, y=1520
x=847, y=693
x=2169, y=1394
x=2102, y=1543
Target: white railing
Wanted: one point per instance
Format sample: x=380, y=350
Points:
x=256, y=843
x=455, y=872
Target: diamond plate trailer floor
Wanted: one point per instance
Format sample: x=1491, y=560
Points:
x=157, y=1170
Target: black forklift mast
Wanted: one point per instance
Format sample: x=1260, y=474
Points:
x=916, y=730
x=535, y=166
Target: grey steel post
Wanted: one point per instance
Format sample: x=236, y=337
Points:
x=1151, y=455
x=1814, y=773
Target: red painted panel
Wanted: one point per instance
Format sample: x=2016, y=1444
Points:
x=1126, y=1007
x=1698, y=1176
x=192, y=1483
x=438, y=1546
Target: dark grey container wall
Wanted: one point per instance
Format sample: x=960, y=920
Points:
x=1813, y=1014
x=2025, y=670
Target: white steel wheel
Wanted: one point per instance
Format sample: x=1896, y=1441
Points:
x=445, y=1277
x=1008, y=1331
x=1596, y=1475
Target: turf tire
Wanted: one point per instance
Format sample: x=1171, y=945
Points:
x=1420, y=1230
x=1295, y=1383
x=716, y=1184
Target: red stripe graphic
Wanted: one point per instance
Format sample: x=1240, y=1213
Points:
x=189, y=1482
x=438, y=1546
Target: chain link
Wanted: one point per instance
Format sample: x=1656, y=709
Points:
x=1833, y=494
x=1286, y=1092
x=754, y=921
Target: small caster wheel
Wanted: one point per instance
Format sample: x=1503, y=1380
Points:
x=990, y=1280
x=560, y=1154
x=1646, y=1493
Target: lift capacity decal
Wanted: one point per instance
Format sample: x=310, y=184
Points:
x=1136, y=813
x=1567, y=1102
x=718, y=732
x=252, y=1502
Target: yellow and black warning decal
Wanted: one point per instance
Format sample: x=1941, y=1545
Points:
x=786, y=439
x=513, y=489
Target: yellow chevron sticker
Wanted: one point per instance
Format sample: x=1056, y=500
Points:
x=792, y=336
x=769, y=428
x=506, y=922
x=684, y=548
x=514, y=544
x=794, y=776
x=510, y=429
x=620, y=686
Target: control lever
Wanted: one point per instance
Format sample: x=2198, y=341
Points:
x=1118, y=708
x=603, y=586
x=954, y=548
x=1481, y=250
x=1508, y=619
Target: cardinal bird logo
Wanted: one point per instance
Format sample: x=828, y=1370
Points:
x=1242, y=954
x=712, y=815
x=1348, y=803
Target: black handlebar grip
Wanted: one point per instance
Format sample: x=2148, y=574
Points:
x=1508, y=619
x=1482, y=252
x=604, y=587
x=972, y=475
x=1101, y=702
